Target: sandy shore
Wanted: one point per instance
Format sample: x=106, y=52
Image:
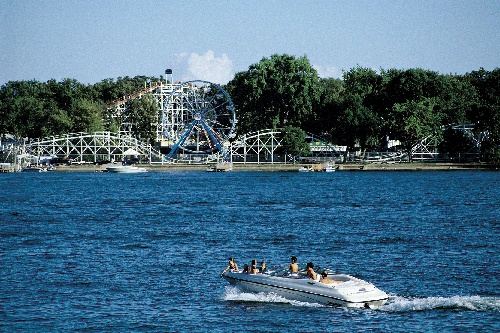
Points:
x=295, y=167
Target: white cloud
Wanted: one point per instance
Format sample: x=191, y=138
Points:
x=327, y=72
x=206, y=67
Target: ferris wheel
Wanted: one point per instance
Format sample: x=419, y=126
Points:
x=198, y=118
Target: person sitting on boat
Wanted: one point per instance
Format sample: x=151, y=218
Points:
x=294, y=268
x=253, y=269
x=325, y=279
x=232, y=267
x=262, y=268
x=310, y=271
x=245, y=269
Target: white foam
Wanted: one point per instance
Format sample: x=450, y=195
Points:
x=395, y=303
x=472, y=303
x=235, y=294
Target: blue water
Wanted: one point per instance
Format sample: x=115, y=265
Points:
x=97, y=252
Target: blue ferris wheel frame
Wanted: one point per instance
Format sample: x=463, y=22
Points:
x=200, y=117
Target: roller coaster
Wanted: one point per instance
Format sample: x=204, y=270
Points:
x=196, y=123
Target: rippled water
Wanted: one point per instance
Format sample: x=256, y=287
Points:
x=88, y=252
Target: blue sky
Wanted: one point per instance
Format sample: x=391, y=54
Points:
x=213, y=39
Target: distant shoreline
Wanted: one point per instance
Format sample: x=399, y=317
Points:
x=295, y=167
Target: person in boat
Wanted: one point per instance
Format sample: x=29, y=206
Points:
x=245, y=269
x=262, y=268
x=232, y=267
x=325, y=279
x=253, y=269
x=310, y=271
x=294, y=268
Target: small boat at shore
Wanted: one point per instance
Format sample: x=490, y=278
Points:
x=306, y=169
x=220, y=167
x=329, y=168
x=125, y=169
x=344, y=290
x=34, y=169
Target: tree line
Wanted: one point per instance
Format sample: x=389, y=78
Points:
x=362, y=109
x=33, y=109
x=366, y=107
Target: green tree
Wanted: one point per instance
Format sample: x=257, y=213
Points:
x=327, y=111
x=362, y=81
x=108, y=91
x=399, y=86
x=486, y=113
x=141, y=113
x=456, y=100
x=414, y=120
x=454, y=143
x=359, y=122
x=356, y=123
x=355, y=113
x=87, y=115
x=55, y=120
x=278, y=91
x=22, y=108
x=294, y=142
x=7, y=110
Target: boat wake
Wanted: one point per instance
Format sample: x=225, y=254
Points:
x=236, y=295
x=470, y=303
x=395, y=303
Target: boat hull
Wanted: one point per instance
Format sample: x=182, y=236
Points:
x=33, y=169
x=351, y=292
x=125, y=169
x=329, y=168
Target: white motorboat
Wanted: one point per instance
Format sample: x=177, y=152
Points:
x=125, y=169
x=305, y=169
x=345, y=290
x=329, y=168
x=34, y=169
x=220, y=167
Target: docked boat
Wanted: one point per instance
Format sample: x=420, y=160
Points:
x=329, y=168
x=220, y=167
x=125, y=169
x=344, y=290
x=34, y=169
x=306, y=169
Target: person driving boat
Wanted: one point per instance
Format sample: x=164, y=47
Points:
x=233, y=267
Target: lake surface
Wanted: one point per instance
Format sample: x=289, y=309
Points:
x=97, y=252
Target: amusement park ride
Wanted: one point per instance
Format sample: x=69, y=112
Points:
x=198, y=117
x=196, y=123
x=195, y=120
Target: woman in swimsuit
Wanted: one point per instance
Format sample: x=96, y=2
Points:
x=253, y=268
x=232, y=267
